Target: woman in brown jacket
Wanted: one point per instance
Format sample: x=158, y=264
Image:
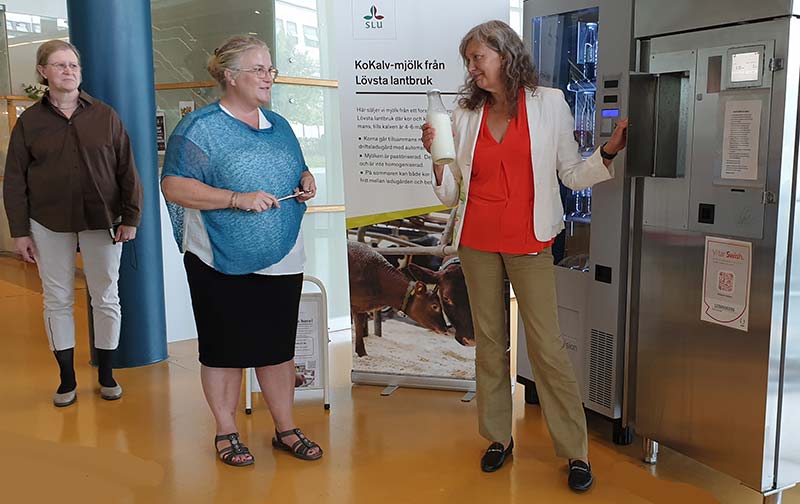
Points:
x=70, y=180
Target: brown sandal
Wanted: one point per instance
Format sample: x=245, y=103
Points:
x=235, y=449
x=300, y=448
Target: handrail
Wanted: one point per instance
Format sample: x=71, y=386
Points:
x=11, y=109
x=325, y=208
x=293, y=81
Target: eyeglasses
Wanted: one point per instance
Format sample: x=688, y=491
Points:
x=62, y=67
x=260, y=71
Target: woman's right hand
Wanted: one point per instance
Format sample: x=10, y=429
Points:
x=428, y=134
x=25, y=248
x=257, y=201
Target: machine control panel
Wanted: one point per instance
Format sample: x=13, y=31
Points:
x=610, y=111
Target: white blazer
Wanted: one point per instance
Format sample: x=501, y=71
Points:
x=553, y=150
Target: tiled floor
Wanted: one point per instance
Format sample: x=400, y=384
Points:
x=155, y=444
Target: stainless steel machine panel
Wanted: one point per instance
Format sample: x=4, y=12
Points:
x=659, y=17
x=713, y=392
x=595, y=84
x=666, y=200
x=788, y=224
x=731, y=206
x=656, y=103
x=700, y=387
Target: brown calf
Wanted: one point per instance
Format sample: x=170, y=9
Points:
x=374, y=283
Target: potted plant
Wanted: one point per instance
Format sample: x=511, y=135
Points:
x=34, y=91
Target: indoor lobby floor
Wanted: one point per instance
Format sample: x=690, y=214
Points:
x=155, y=444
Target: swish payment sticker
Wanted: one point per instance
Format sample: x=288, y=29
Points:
x=726, y=283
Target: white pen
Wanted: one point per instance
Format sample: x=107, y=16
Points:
x=291, y=196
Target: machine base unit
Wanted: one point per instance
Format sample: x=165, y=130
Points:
x=621, y=434
x=592, y=352
x=531, y=395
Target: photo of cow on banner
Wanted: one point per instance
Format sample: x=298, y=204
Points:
x=408, y=299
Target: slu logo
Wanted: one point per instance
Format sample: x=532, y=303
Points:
x=373, y=20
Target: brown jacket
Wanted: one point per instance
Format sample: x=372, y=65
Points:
x=70, y=175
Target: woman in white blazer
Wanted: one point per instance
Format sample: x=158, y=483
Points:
x=513, y=139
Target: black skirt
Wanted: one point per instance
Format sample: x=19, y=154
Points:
x=243, y=320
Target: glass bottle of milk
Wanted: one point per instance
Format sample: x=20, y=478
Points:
x=443, y=149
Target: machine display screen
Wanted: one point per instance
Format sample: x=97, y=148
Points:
x=610, y=112
x=745, y=66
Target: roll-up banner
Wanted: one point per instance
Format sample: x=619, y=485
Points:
x=411, y=318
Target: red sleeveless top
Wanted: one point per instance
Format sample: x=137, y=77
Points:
x=499, y=214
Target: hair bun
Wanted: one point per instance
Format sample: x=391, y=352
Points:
x=227, y=55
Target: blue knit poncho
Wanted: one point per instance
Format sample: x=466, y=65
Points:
x=219, y=150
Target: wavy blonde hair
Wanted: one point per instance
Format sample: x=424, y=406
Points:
x=518, y=68
x=228, y=55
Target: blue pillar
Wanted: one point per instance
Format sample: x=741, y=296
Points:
x=115, y=41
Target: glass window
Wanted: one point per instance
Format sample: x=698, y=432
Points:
x=515, y=16
x=313, y=112
x=291, y=30
x=312, y=54
x=310, y=36
x=326, y=259
x=25, y=34
x=24, y=26
x=185, y=34
x=6, y=242
x=314, y=116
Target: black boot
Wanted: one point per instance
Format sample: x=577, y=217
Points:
x=105, y=372
x=109, y=389
x=66, y=393
x=66, y=366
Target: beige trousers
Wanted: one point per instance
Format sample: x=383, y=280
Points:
x=533, y=280
x=55, y=260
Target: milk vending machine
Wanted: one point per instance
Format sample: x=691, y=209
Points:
x=583, y=47
x=715, y=283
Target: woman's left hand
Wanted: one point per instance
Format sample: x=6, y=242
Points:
x=308, y=185
x=125, y=233
x=619, y=138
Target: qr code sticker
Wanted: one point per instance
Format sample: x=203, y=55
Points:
x=726, y=282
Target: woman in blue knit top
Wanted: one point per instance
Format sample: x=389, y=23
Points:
x=226, y=167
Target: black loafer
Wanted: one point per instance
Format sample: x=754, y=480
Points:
x=580, y=476
x=495, y=455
